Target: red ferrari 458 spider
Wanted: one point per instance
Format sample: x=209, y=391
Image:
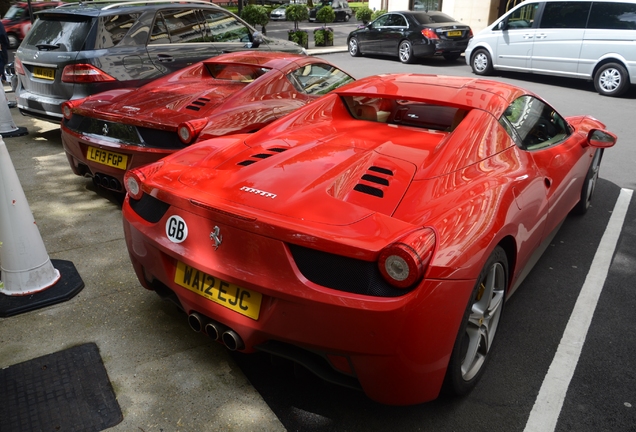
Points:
x=108, y=133
x=372, y=235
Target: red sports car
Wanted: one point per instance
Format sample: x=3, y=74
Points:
x=106, y=134
x=373, y=235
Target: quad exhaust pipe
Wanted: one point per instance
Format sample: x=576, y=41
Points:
x=216, y=331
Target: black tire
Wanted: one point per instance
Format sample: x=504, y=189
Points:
x=611, y=79
x=451, y=57
x=481, y=62
x=405, y=52
x=479, y=326
x=587, y=191
x=354, y=47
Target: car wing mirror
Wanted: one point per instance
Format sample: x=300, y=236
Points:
x=601, y=138
x=257, y=39
x=503, y=25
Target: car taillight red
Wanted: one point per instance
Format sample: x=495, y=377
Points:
x=17, y=64
x=68, y=106
x=404, y=262
x=84, y=73
x=429, y=33
x=134, y=179
x=189, y=130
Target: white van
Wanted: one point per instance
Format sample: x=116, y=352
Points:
x=593, y=40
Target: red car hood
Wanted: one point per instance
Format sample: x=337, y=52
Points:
x=334, y=180
x=167, y=106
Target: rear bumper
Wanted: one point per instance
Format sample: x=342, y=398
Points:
x=397, y=349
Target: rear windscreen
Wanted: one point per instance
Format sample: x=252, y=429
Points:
x=405, y=112
x=235, y=72
x=58, y=33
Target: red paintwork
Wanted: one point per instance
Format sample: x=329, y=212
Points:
x=231, y=107
x=474, y=187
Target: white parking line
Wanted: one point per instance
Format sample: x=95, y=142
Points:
x=547, y=407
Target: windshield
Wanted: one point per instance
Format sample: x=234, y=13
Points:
x=59, y=33
x=15, y=12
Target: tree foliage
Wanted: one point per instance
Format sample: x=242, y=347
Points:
x=363, y=13
x=296, y=13
x=255, y=15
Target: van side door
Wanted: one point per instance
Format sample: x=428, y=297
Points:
x=611, y=30
x=559, y=38
x=514, y=45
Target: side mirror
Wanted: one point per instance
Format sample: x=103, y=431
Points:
x=503, y=25
x=257, y=39
x=601, y=138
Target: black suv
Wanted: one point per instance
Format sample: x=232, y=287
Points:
x=340, y=7
x=85, y=48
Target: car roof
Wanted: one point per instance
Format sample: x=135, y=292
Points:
x=464, y=92
x=271, y=59
x=96, y=8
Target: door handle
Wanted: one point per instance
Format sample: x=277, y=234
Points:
x=163, y=58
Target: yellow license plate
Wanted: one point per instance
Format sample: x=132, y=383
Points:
x=44, y=73
x=105, y=157
x=454, y=33
x=241, y=300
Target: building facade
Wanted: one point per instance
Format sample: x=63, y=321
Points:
x=478, y=14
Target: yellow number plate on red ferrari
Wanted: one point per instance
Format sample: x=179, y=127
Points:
x=241, y=300
x=454, y=33
x=105, y=157
x=44, y=73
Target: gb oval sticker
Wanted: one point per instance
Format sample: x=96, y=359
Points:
x=176, y=229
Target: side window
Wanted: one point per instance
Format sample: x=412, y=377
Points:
x=536, y=123
x=523, y=17
x=613, y=16
x=113, y=28
x=179, y=25
x=318, y=79
x=223, y=27
x=565, y=14
x=382, y=21
x=397, y=21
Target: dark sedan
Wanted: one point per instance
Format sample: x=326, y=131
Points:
x=410, y=35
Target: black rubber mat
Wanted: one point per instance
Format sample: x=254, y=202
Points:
x=65, y=391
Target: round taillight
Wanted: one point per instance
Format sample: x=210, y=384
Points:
x=404, y=262
x=132, y=182
x=185, y=133
x=67, y=111
x=189, y=130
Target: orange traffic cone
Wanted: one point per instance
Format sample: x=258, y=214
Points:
x=28, y=278
x=8, y=129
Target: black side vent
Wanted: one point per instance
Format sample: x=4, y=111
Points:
x=375, y=179
x=149, y=208
x=381, y=170
x=369, y=190
x=378, y=182
x=256, y=157
x=198, y=104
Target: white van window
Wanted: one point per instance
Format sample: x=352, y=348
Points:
x=614, y=16
x=523, y=17
x=565, y=14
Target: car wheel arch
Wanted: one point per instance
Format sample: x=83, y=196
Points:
x=618, y=60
